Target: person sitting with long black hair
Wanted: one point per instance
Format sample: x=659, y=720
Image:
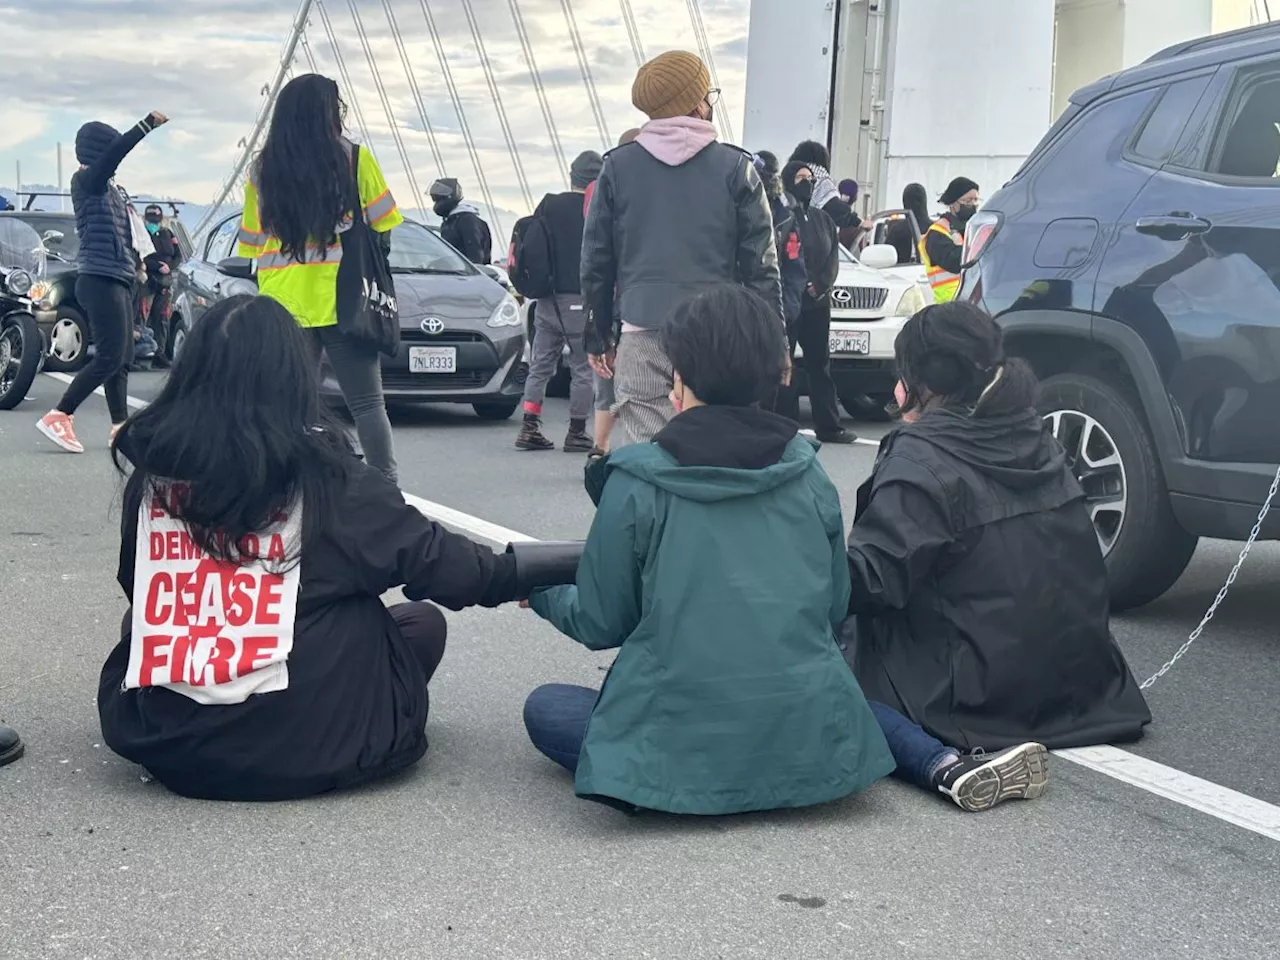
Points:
x=980, y=600
x=258, y=661
x=297, y=198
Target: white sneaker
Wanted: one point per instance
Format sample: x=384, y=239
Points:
x=59, y=428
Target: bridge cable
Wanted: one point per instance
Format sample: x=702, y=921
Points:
x=467, y=138
x=436, y=155
x=584, y=67
x=704, y=48
x=342, y=71
x=387, y=108
x=496, y=96
x=250, y=143
x=535, y=76
x=633, y=32
x=309, y=53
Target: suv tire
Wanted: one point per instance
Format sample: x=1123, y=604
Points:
x=1146, y=549
x=71, y=329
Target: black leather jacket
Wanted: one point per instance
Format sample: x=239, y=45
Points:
x=661, y=234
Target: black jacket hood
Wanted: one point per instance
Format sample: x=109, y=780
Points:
x=92, y=141
x=744, y=438
x=1013, y=450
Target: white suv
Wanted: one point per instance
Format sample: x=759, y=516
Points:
x=871, y=301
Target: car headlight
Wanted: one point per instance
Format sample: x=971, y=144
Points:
x=507, y=314
x=19, y=283
x=912, y=302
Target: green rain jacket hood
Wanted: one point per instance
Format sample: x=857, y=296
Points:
x=724, y=586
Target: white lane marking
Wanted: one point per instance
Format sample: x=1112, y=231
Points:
x=806, y=432
x=466, y=522
x=134, y=402
x=1191, y=791
x=1210, y=798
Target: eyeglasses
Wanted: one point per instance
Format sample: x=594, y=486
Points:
x=713, y=96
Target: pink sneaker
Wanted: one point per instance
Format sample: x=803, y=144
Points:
x=57, y=426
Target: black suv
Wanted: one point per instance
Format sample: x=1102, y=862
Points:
x=1134, y=260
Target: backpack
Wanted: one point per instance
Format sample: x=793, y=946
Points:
x=531, y=262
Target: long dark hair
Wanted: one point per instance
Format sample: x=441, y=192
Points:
x=955, y=351
x=240, y=425
x=303, y=174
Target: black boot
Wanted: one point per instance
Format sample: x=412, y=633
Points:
x=11, y=747
x=576, y=440
x=531, y=437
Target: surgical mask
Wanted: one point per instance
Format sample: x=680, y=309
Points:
x=803, y=191
x=153, y=228
x=966, y=211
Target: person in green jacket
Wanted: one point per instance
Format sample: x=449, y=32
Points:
x=716, y=565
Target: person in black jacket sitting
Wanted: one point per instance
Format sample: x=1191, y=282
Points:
x=812, y=330
x=461, y=225
x=257, y=660
x=980, y=600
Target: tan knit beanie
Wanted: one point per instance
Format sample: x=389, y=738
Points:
x=672, y=84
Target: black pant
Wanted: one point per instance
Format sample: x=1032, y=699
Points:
x=109, y=306
x=158, y=317
x=424, y=628
x=812, y=331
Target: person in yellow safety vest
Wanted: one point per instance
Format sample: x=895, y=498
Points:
x=297, y=200
x=943, y=243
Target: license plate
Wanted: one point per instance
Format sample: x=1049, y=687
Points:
x=433, y=359
x=858, y=341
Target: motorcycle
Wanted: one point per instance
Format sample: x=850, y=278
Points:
x=22, y=347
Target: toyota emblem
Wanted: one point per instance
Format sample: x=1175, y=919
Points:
x=432, y=326
x=842, y=295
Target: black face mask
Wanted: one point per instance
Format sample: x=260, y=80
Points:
x=803, y=192
x=965, y=212
x=444, y=207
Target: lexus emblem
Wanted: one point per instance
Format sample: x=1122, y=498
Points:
x=432, y=326
x=842, y=295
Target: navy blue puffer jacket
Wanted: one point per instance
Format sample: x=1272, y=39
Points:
x=102, y=221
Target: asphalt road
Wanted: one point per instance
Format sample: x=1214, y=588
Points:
x=483, y=852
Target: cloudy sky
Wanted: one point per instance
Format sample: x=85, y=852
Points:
x=205, y=62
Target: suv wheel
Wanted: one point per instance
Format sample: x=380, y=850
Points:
x=1114, y=458
x=68, y=342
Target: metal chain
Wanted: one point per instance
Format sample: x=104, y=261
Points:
x=1222, y=594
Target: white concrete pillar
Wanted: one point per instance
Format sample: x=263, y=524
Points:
x=789, y=68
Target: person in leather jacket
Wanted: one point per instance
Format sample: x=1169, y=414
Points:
x=674, y=213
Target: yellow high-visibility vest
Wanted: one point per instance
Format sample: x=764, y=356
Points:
x=945, y=285
x=309, y=290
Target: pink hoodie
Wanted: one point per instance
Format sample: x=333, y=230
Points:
x=676, y=140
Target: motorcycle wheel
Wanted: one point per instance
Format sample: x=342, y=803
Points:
x=20, y=349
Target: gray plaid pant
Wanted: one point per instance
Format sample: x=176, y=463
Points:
x=643, y=379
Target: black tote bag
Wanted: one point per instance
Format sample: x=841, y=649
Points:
x=367, y=308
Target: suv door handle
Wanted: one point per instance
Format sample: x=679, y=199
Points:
x=1174, y=226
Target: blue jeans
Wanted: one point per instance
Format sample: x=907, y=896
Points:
x=556, y=716
x=917, y=754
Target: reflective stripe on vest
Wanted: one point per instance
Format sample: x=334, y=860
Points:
x=945, y=284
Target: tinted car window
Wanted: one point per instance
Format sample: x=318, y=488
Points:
x=1250, y=145
x=1166, y=122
